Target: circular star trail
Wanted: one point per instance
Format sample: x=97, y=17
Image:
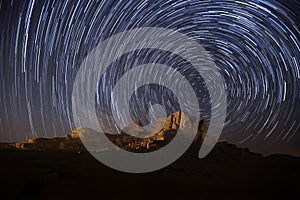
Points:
x=254, y=43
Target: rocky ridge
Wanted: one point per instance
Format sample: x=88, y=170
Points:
x=163, y=132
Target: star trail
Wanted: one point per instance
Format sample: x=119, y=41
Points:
x=254, y=43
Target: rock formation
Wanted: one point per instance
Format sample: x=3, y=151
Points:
x=132, y=138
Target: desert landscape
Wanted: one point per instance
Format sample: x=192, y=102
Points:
x=61, y=168
x=97, y=95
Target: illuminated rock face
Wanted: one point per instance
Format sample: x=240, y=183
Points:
x=180, y=120
x=163, y=132
x=68, y=143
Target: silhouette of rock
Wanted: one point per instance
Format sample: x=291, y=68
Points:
x=40, y=168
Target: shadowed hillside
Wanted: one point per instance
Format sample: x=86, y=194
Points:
x=61, y=168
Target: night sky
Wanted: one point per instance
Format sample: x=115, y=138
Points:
x=255, y=45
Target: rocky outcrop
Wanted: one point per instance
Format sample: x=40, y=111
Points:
x=70, y=143
x=163, y=132
x=136, y=129
x=133, y=137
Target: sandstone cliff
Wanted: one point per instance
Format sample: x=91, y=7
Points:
x=129, y=139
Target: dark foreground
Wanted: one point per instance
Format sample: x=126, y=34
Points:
x=227, y=173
